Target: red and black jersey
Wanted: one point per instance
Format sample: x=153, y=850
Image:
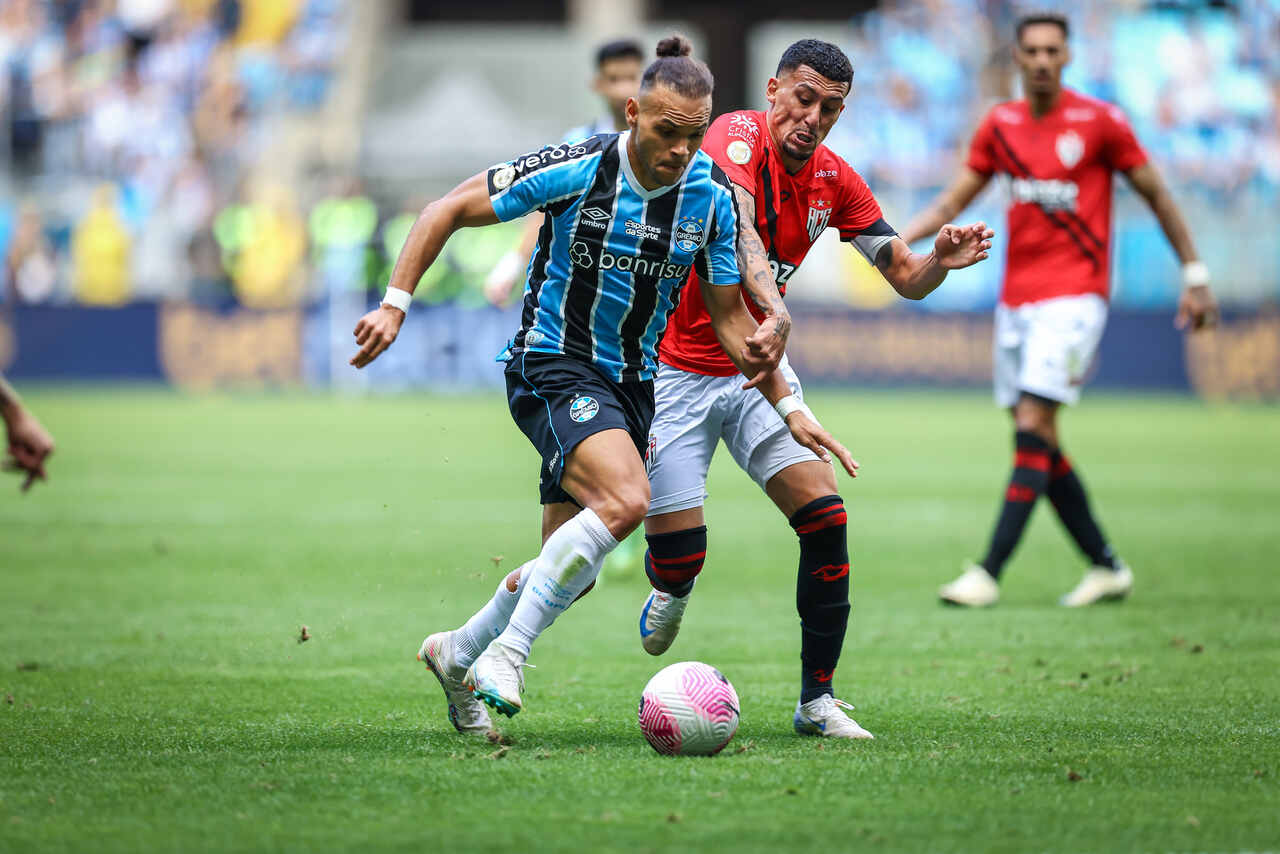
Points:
x=1060, y=167
x=791, y=211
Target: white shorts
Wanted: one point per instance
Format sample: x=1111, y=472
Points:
x=694, y=412
x=1046, y=348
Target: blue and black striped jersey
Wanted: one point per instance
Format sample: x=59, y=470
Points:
x=612, y=256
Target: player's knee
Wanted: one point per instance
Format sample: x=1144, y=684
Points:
x=822, y=514
x=625, y=507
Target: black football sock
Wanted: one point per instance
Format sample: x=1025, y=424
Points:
x=1069, y=498
x=822, y=592
x=674, y=560
x=1029, y=481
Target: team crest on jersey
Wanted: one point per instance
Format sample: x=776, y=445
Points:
x=739, y=152
x=583, y=408
x=1070, y=148
x=690, y=234
x=819, y=216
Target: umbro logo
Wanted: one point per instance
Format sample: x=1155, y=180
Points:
x=595, y=213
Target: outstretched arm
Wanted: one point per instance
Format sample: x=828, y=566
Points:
x=29, y=444
x=466, y=205
x=916, y=276
x=759, y=283
x=947, y=206
x=1197, y=306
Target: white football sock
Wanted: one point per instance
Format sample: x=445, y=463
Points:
x=487, y=623
x=569, y=561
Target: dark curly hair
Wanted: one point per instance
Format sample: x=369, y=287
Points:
x=1059, y=21
x=677, y=70
x=823, y=57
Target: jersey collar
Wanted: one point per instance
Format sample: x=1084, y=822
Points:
x=639, y=189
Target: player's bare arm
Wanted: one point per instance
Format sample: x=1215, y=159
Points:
x=947, y=206
x=758, y=282
x=1197, y=306
x=466, y=205
x=916, y=276
x=29, y=444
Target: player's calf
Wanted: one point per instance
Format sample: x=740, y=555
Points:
x=672, y=562
x=822, y=591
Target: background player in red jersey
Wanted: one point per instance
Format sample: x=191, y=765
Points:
x=1059, y=148
x=789, y=188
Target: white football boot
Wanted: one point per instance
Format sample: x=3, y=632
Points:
x=496, y=679
x=660, y=620
x=975, y=588
x=466, y=713
x=825, y=717
x=1100, y=584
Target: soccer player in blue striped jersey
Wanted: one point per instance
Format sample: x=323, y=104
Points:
x=626, y=217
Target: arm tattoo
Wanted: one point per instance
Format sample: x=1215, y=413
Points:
x=757, y=274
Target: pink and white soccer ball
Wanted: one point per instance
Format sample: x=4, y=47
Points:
x=689, y=709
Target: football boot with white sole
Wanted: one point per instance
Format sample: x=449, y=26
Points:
x=826, y=717
x=466, y=713
x=974, y=588
x=497, y=680
x=660, y=620
x=1100, y=584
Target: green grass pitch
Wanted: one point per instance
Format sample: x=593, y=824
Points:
x=156, y=695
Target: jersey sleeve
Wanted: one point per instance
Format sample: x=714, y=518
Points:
x=536, y=180
x=982, y=148
x=717, y=261
x=859, y=218
x=1122, y=149
x=736, y=143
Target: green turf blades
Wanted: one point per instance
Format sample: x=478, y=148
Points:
x=151, y=596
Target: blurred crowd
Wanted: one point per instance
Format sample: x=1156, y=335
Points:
x=135, y=132
x=1199, y=81
x=130, y=127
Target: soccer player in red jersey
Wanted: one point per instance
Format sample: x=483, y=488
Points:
x=1059, y=150
x=789, y=188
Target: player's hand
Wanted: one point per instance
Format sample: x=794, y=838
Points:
x=375, y=332
x=763, y=351
x=959, y=246
x=808, y=432
x=1197, y=308
x=29, y=446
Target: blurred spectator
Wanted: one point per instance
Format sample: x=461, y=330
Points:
x=263, y=245
x=342, y=229
x=100, y=250
x=29, y=265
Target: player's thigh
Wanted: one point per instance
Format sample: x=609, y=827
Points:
x=682, y=440
x=605, y=468
x=1061, y=342
x=758, y=438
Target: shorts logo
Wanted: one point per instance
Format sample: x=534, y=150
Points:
x=651, y=454
x=583, y=409
x=739, y=152
x=689, y=234
x=1070, y=148
x=551, y=464
x=533, y=338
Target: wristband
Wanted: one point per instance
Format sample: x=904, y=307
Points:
x=397, y=298
x=789, y=404
x=1195, y=274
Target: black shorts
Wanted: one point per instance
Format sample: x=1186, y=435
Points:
x=558, y=401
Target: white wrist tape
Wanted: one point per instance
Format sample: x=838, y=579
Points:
x=398, y=299
x=1195, y=274
x=789, y=404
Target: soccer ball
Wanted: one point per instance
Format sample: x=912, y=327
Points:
x=689, y=709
